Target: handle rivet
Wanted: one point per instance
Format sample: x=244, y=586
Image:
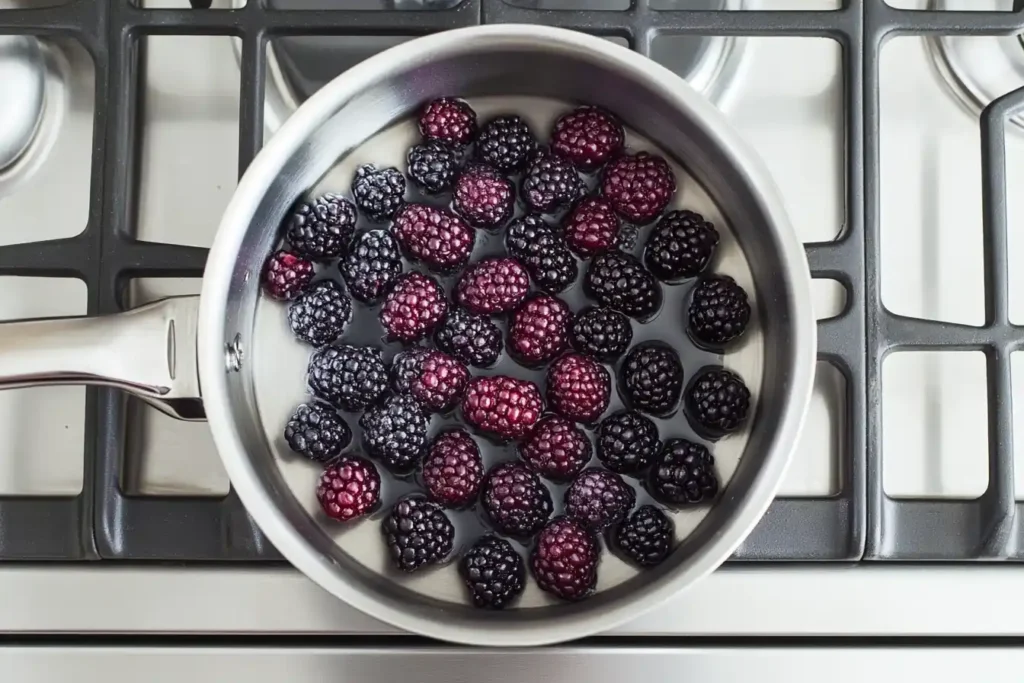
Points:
x=233, y=354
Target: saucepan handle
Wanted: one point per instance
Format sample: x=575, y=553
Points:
x=148, y=351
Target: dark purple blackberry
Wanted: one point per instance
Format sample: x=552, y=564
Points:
x=651, y=378
x=645, y=538
x=598, y=499
x=627, y=442
x=453, y=469
x=601, y=333
x=378, y=192
x=433, y=165
x=680, y=246
x=349, y=488
x=286, y=275
x=542, y=252
x=473, y=339
x=448, y=119
x=515, y=500
x=484, y=197
x=316, y=431
x=505, y=143
x=503, y=406
x=395, y=432
x=413, y=308
x=618, y=280
x=349, y=377
x=320, y=314
x=639, y=186
x=551, y=183
x=372, y=264
x=494, y=285
x=588, y=137
x=683, y=474
x=578, y=387
x=538, y=329
x=719, y=311
x=417, y=533
x=494, y=573
x=322, y=228
x=591, y=227
x=432, y=377
x=717, y=402
x=556, y=449
x=435, y=236
x=565, y=558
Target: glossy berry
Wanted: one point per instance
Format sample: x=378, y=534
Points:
x=598, y=499
x=322, y=228
x=503, y=406
x=717, y=402
x=286, y=275
x=372, y=264
x=680, y=246
x=494, y=573
x=320, y=315
x=448, y=119
x=683, y=474
x=651, y=378
x=551, y=183
x=557, y=449
x=578, y=387
x=413, y=308
x=378, y=192
x=591, y=227
x=494, y=285
x=349, y=377
x=435, y=379
x=484, y=197
x=417, y=533
x=564, y=560
x=515, y=500
x=601, y=333
x=349, y=488
x=627, y=442
x=542, y=252
x=645, y=538
x=316, y=431
x=453, y=469
x=719, y=311
x=618, y=280
x=433, y=165
x=639, y=186
x=473, y=339
x=395, y=432
x=588, y=137
x=435, y=236
x=505, y=143
x=539, y=329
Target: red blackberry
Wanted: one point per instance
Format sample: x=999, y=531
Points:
x=319, y=315
x=372, y=264
x=494, y=573
x=545, y=256
x=437, y=237
x=349, y=487
x=349, y=377
x=551, y=183
x=719, y=311
x=588, y=137
x=378, y=192
x=322, y=228
x=680, y=246
x=433, y=166
x=717, y=402
x=505, y=143
x=316, y=431
x=515, y=500
x=453, y=469
x=285, y=275
x=484, y=197
x=557, y=449
x=435, y=379
x=618, y=280
x=537, y=332
x=417, y=533
x=683, y=474
x=627, y=442
x=578, y=387
x=591, y=227
x=646, y=537
x=494, y=285
x=564, y=560
x=639, y=186
x=651, y=378
x=601, y=333
x=502, y=405
x=448, y=119
x=395, y=432
x=413, y=307
x=473, y=339
x=598, y=499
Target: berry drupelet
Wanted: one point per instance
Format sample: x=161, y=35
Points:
x=484, y=197
x=448, y=119
x=433, y=166
x=503, y=406
x=717, y=402
x=544, y=254
x=645, y=538
x=349, y=377
x=680, y=246
x=417, y=533
x=719, y=311
x=578, y=387
x=473, y=339
x=372, y=264
x=591, y=227
x=494, y=285
x=627, y=442
x=349, y=488
x=319, y=315
x=286, y=275
x=639, y=186
x=494, y=573
x=413, y=308
x=453, y=469
x=683, y=474
x=557, y=449
x=538, y=329
x=316, y=431
x=515, y=500
x=506, y=143
x=601, y=333
x=618, y=280
x=435, y=236
x=551, y=183
x=598, y=499
x=588, y=137
x=378, y=192
x=434, y=378
x=322, y=228
x=395, y=432
x=651, y=378
x=564, y=559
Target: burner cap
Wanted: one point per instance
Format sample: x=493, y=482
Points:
x=22, y=72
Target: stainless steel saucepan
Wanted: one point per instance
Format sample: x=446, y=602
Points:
x=210, y=355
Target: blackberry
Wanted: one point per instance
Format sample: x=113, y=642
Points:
x=435, y=379
x=651, y=378
x=646, y=537
x=515, y=500
x=618, y=280
x=349, y=377
x=473, y=339
x=588, y=137
x=601, y=333
x=537, y=332
x=494, y=573
x=719, y=311
x=448, y=119
x=395, y=432
x=286, y=275
x=503, y=406
x=320, y=314
x=717, y=402
x=598, y=499
x=494, y=285
x=437, y=237
x=545, y=256
x=413, y=308
x=551, y=183
x=378, y=192
x=627, y=442
x=405, y=369
x=591, y=227
x=578, y=387
x=505, y=143
x=683, y=474
x=626, y=240
x=564, y=560
x=372, y=264
x=557, y=449
x=349, y=488
x=453, y=469
x=639, y=186
x=484, y=197
x=322, y=228
x=417, y=533
x=433, y=166
x=680, y=246
x=316, y=431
